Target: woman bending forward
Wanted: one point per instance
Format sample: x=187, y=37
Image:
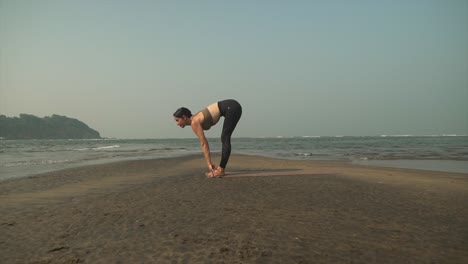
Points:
x=231, y=110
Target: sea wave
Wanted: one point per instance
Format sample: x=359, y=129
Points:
x=306, y=154
x=24, y=157
x=36, y=162
x=107, y=147
x=396, y=135
x=443, y=135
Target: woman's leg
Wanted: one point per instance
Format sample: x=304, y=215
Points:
x=233, y=112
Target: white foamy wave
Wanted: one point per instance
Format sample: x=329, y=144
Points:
x=55, y=161
x=34, y=162
x=445, y=135
x=396, y=135
x=436, y=135
x=305, y=154
x=107, y=147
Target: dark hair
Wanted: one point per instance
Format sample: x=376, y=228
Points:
x=182, y=112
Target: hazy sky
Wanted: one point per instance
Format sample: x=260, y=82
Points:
x=299, y=68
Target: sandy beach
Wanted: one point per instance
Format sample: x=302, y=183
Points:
x=264, y=211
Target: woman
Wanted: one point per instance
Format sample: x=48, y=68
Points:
x=204, y=120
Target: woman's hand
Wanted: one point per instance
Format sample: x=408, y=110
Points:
x=211, y=167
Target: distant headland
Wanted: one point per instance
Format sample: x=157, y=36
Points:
x=50, y=127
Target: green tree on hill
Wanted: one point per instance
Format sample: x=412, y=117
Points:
x=50, y=127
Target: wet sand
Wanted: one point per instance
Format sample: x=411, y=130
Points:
x=264, y=211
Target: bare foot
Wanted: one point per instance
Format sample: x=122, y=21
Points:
x=218, y=173
x=210, y=174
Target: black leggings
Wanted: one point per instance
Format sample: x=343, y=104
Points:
x=232, y=111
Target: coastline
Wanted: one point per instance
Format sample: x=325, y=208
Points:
x=22, y=158
x=265, y=210
x=444, y=166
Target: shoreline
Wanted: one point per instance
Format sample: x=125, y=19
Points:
x=451, y=166
x=444, y=166
x=264, y=210
x=24, y=158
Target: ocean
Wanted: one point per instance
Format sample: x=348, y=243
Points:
x=21, y=158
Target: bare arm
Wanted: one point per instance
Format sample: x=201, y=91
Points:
x=198, y=130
